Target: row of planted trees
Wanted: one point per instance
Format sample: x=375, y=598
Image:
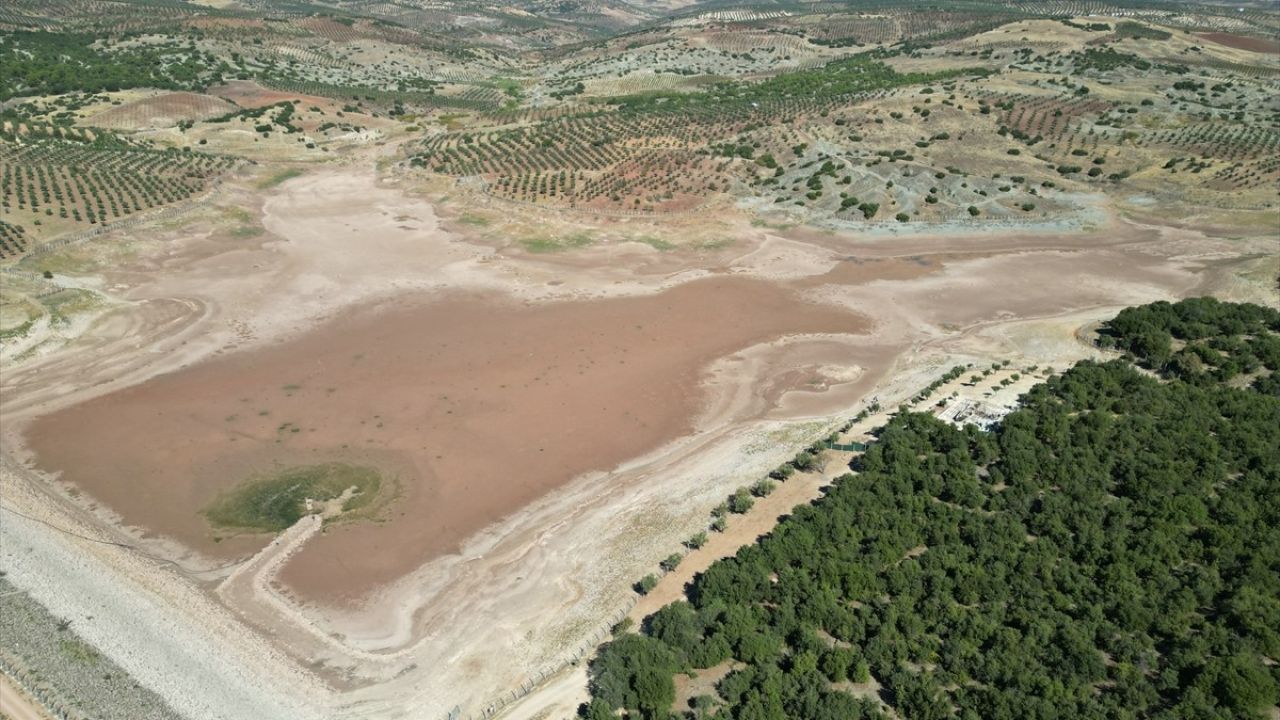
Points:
x=95, y=184
x=1104, y=552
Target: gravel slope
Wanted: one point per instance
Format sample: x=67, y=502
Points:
x=165, y=634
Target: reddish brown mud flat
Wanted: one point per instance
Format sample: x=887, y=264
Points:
x=474, y=405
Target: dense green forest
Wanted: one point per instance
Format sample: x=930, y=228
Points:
x=41, y=63
x=1201, y=341
x=1112, y=550
x=862, y=73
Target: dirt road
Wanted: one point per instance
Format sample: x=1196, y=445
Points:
x=16, y=705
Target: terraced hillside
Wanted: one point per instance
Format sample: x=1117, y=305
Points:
x=992, y=125
x=983, y=112
x=47, y=179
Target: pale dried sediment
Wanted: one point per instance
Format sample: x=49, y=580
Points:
x=166, y=633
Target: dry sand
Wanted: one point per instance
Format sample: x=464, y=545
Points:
x=661, y=392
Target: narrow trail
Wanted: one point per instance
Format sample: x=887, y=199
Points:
x=16, y=705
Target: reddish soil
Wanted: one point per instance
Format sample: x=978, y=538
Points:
x=248, y=94
x=1242, y=42
x=1037, y=117
x=330, y=29
x=162, y=111
x=476, y=405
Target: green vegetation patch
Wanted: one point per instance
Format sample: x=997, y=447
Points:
x=65, y=304
x=279, y=177
x=17, y=317
x=44, y=63
x=16, y=331
x=473, y=220
x=275, y=502
x=656, y=243
x=1138, y=30
x=862, y=73
x=550, y=245
x=79, y=651
x=713, y=244
x=451, y=121
x=1109, y=550
x=1107, y=59
x=1201, y=341
x=511, y=87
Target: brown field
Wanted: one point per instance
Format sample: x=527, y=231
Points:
x=249, y=94
x=476, y=405
x=161, y=111
x=1242, y=42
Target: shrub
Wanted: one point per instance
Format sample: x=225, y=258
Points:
x=762, y=488
x=805, y=461
x=782, y=473
x=647, y=584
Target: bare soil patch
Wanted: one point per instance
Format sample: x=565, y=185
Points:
x=854, y=270
x=249, y=94
x=17, y=705
x=1242, y=42
x=161, y=111
x=474, y=404
x=701, y=682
